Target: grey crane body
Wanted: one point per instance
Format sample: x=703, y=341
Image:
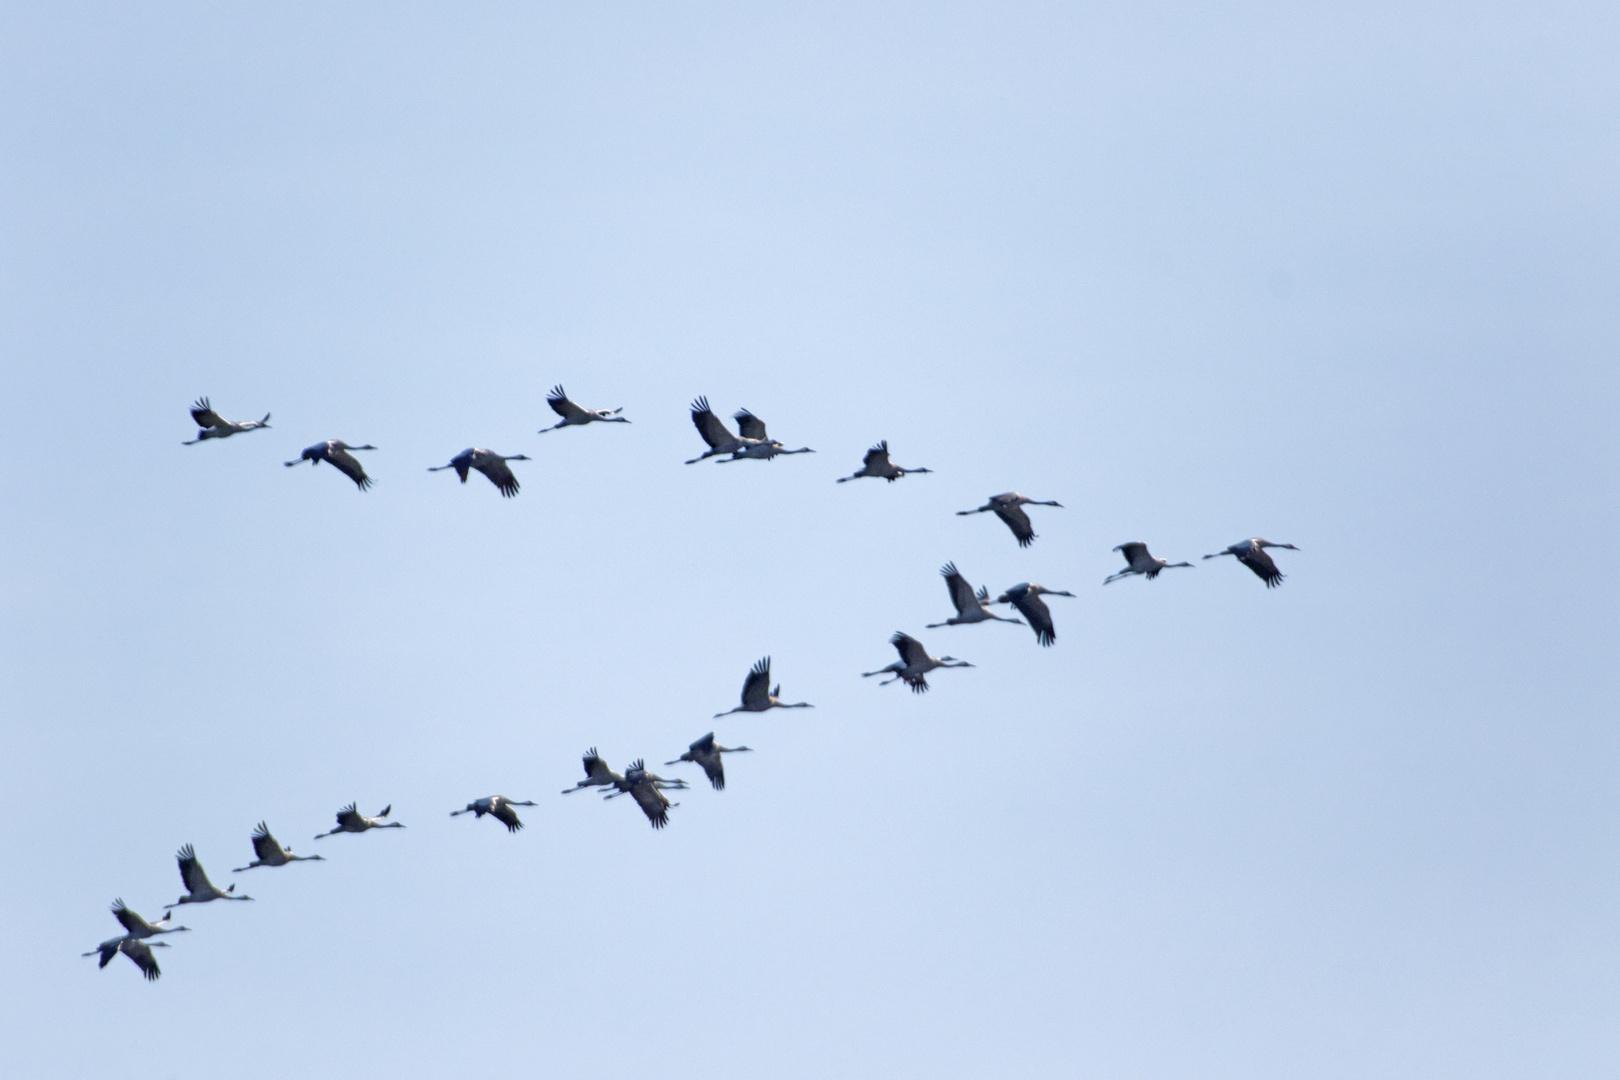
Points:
x=759, y=696
x=489, y=463
x=268, y=851
x=706, y=754
x=1138, y=560
x=878, y=466
x=647, y=789
x=199, y=890
x=350, y=819
x=1009, y=507
x=971, y=607
x=498, y=807
x=597, y=773
x=1252, y=553
x=1026, y=597
x=576, y=416
x=335, y=452
x=211, y=425
x=914, y=663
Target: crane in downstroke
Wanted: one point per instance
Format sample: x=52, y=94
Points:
x=335, y=452
x=1009, y=507
x=1252, y=553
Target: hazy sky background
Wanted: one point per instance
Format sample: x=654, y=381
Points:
x=1344, y=278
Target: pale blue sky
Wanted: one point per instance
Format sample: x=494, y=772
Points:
x=1344, y=278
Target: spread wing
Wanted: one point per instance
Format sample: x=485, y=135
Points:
x=713, y=768
x=128, y=919
x=500, y=474
x=349, y=465
x=141, y=953
x=350, y=815
x=558, y=400
x=503, y=813
x=756, y=692
x=595, y=767
x=653, y=803
x=205, y=416
x=192, y=875
x=911, y=650
x=1018, y=522
x=1265, y=568
x=1133, y=551
x=961, y=592
x=265, y=846
x=1038, y=614
x=714, y=432
x=749, y=426
x=703, y=746
x=878, y=456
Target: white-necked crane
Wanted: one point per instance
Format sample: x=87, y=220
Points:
x=971, y=607
x=1139, y=560
x=715, y=433
x=914, y=663
x=211, y=425
x=647, y=789
x=498, y=807
x=137, y=950
x=574, y=415
x=760, y=446
x=706, y=753
x=268, y=851
x=350, y=819
x=489, y=463
x=1026, y=597
x=1009, y=508
x=878, y=465
x=1252, y=553
x=199, y=890
x=597, y=773
x=758, y=694
x=335, y=452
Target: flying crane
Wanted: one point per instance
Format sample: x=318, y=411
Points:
x=1138, y=560
x=757, y=694
x=574, y=416
x=1026, y=597
x=211, y=425
x=1252, y=553
x=199, y=890
x=268, y=851
x=350, y=819
x=971, y=607
x=335, y=452
x=706, y=754
x=489, y=463
x=498, y=807
x=1010, y=509
x=914, y=663
x=597, y=773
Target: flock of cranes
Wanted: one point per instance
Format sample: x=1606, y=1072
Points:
x=647, y=789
